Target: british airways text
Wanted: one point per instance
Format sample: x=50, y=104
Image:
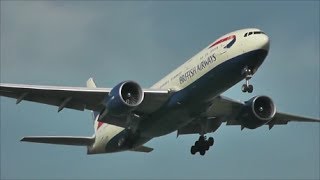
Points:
x=193, y=71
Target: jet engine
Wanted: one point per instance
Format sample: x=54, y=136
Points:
x=123, y=98
x=258, y=111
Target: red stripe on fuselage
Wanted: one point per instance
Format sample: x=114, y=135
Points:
x=223, y=40
x=100, y=124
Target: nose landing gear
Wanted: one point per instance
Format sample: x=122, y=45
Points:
x=248, y=75
x=202, y=145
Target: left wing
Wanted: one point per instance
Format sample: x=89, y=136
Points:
x=227, y=108
x=224, y=109
x=78, y=98
x=284, y=118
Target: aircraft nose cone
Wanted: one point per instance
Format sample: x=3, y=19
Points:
x=265, y=42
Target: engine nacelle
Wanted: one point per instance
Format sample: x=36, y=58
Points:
x=258, y=111
x=123, y=98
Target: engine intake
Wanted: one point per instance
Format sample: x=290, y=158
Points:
x=123, y=98
x=131, y=93
x=263, y=108
x=258, y=111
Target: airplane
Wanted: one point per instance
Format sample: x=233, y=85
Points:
x=188, y=100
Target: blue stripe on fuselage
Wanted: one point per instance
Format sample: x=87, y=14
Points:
x=220, y=78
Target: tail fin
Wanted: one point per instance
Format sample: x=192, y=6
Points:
x=95, y=114
x=91, y=83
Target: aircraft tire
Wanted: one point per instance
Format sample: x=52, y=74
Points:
x=211, y=141
x=207, y=146
x=202, y=152
x=244, y=88
x=197, y=144
x=250, y=89
x=193, y=150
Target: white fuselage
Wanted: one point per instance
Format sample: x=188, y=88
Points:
x=200, y=79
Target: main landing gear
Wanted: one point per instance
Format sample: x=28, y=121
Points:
x=248, y=75
x=202, y=145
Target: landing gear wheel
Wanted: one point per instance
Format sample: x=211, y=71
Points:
x=197, y=144
x=244, y=88
x=247, y=72
x=202, y=152
x=202, y=145
x=250, y=88
x=193, y=150
x=211, y=141
x=207, y=146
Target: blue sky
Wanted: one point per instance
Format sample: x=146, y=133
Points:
x=66, y=42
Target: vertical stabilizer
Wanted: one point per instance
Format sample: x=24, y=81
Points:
x=91, y=83
x=95, y=114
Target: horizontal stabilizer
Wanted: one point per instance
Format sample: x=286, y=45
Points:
x=62, y=140
x=142, y=149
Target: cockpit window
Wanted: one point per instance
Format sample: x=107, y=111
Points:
x=255, y=32
x=258, y=32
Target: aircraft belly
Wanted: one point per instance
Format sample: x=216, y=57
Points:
x=165, y=122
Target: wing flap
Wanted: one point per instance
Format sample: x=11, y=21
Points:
x=61, y=140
